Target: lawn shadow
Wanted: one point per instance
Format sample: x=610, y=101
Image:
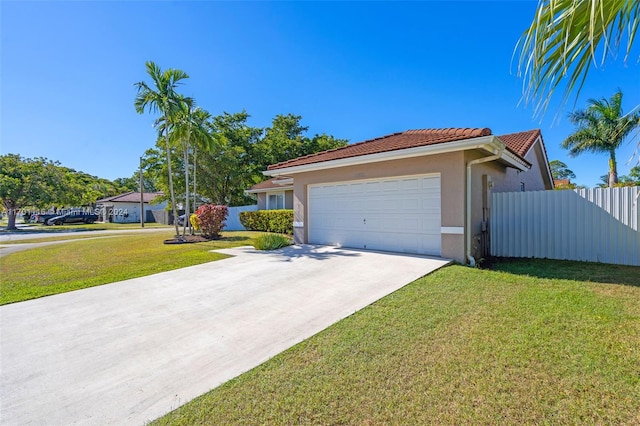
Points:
x=567, y=270
x=236, y=238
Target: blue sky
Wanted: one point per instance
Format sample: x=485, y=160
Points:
x=356, y=70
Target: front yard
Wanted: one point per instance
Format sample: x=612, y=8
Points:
x=527, y=342
x=85, y=263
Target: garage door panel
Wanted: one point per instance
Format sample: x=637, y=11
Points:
x=393, y=214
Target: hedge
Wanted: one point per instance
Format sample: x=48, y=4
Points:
x=280, y=221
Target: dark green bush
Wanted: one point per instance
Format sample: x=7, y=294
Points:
x=271, y=242
x=278, y=221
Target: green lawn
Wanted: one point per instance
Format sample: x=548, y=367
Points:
x=526, y=342
x=99, y=226
x=85, y=263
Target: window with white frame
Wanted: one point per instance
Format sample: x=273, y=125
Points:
x=275, y=201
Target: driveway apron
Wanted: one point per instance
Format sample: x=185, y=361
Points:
x=129, y=352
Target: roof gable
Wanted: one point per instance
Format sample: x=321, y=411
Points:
x=520, y=143
x=275, y=183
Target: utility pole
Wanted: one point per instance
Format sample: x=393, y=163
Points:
x=141, y=197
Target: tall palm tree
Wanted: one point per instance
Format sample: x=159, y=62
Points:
x=601, y=128
x=191, y=130
x=563, y=40
x=162, y=98
x=202, y=137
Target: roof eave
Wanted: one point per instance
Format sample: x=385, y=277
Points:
x=277, y=189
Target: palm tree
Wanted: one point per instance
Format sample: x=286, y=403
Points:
x=203, y=138
x=563, y=41
x=190, y=126
x=165, y=100
x=601, y=128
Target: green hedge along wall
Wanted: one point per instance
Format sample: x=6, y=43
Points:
x=280, y=221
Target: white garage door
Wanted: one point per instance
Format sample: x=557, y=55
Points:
x=395, y=214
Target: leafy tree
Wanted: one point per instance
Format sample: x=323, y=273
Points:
x=559, y=170
x=162, y=98
x=286, y=139
x=322, y=142
x=601, y=128
x=154, y=165
x=564, y=39
x=132, y=183
x=28, y=182
x=229, y=167
x=632, y=179
x=282, y=141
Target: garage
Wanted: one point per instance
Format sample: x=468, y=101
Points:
x=400, y=214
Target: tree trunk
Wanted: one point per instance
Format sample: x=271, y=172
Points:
x=11, y=217
x=613, y=169
x=195, y=165
x=186, y=194
x=173, y=197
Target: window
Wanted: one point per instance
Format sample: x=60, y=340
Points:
x=521, y=186
x=275, y=201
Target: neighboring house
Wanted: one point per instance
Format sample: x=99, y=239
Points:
x=420, y=191
x=563, y=184
x=125, y=208
x=273, y=194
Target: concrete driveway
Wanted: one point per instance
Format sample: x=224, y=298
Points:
x=129, y=352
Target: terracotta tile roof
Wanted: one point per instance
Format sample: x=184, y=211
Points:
x=518, y=143
x=130, y=197
x=392, y=142
x=268, y=184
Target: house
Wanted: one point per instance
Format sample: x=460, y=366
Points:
x=273, y=194
x=419, y=191
x=563, y=184
x=125, y=208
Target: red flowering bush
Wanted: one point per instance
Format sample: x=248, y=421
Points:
x=211, y=219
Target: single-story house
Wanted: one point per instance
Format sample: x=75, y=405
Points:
x=125, y=208
x=273, y=194
x=419, y=191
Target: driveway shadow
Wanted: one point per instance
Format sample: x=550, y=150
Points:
x=567, y=270
x=315, y=252
x=290, y=253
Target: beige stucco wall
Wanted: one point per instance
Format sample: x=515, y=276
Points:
x=449, y=166
x=504, y=179
x=288, y=199
x=452, y=170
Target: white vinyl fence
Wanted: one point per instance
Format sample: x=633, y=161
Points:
x=594, y=225
x=233, y=219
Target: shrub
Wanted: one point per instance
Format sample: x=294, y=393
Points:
x=271, y=242
x=211, y=219
x=193, y=219
x=278, y=221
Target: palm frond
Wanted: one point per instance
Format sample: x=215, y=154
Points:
x=563, y=40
